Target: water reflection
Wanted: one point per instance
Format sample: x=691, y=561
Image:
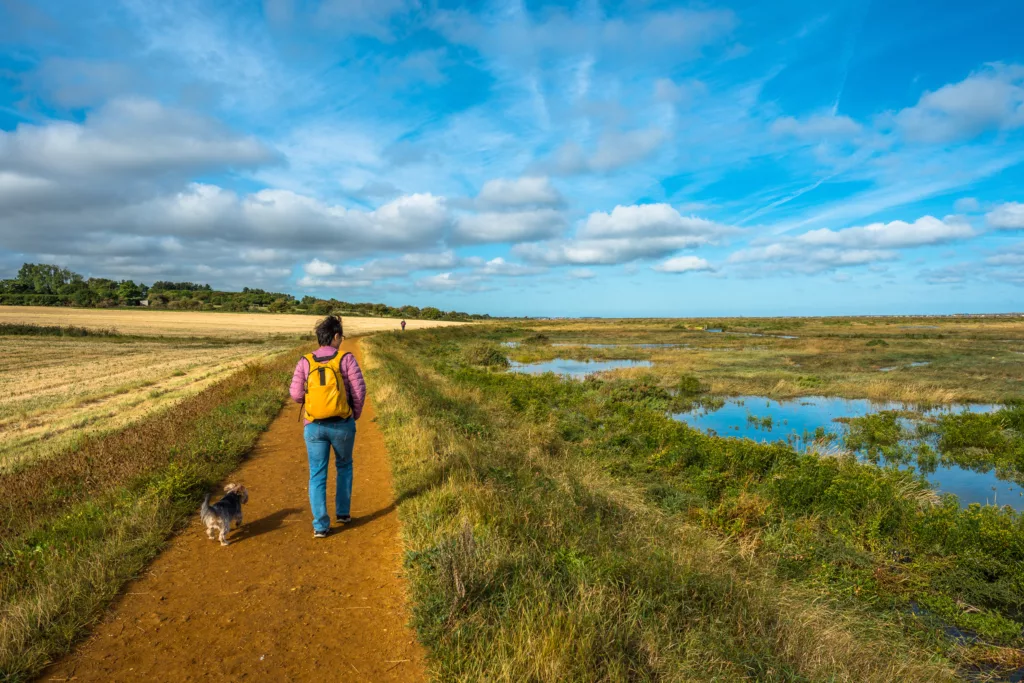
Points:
x=576, y=369
x=810, y=422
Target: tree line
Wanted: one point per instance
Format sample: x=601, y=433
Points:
x=42, y=284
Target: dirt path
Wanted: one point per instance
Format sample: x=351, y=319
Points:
x=276, y=605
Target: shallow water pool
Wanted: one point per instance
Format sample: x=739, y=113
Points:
x=796, y=422
x=575, y=369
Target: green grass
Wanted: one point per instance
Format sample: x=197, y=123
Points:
x=76, y=528
x=572, y=531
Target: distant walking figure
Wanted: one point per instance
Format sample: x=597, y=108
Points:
x=331, y=388
x=403, y=326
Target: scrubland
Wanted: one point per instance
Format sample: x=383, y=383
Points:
x=573, y=531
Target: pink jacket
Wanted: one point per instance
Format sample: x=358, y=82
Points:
x=350, y=373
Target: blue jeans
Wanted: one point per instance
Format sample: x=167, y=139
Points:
x=320, y=436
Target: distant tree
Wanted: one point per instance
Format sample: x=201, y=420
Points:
x=84, y=298
x=129, y=293
x=44, y=278
x=50, y=285
x=280, y=305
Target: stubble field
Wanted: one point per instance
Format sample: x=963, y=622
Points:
x=54, y=391
x=196, y=324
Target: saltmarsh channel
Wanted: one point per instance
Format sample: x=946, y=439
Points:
x=559, y=506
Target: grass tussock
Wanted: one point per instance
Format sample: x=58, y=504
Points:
x=76, y=528
x=535, y=554
x=486, y=355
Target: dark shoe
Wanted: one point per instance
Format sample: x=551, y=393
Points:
x=345, y=520
x=319, y=534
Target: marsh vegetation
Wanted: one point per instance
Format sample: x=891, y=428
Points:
x=573, y=530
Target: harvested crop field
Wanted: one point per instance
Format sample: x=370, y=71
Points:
x=195, y=324
x=55, y=390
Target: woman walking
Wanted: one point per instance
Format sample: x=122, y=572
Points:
x=331, y=388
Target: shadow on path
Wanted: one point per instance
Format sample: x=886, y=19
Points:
x=366, y=519
x=263, y=525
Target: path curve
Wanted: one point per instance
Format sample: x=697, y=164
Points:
x=275, y=605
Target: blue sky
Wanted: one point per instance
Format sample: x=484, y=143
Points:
x=525, y=158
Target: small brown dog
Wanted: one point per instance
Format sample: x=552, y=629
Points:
x=221, y=514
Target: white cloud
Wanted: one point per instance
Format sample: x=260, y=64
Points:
x=826, y=249
x=602, y=251
x=649, y=220
x=893, y=235
x=447, y=282
x=405, y=264
x=526, y=191
x=816, y=127
x=794, y=257
x=614, y=150
x=128, y=137
x=625, y=234
x=499, y=266
x=989, y=99
x=683, y=264
x=513, y=226
x=265, y=219
x=312, y=282
x=1008, y=216
x=318, y=268
x=582, y=273
x=251, y=255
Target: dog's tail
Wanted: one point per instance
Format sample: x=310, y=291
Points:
x=205, y=510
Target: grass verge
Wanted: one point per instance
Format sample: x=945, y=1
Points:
x=76, y=528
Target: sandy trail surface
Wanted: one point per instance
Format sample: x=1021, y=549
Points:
x=275, y=605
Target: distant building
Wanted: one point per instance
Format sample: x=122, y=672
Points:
x=144, y=302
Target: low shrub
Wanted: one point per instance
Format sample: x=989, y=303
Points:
x=486, y=355
x=690, y=385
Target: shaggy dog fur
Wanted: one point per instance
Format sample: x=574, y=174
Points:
x=221, y=514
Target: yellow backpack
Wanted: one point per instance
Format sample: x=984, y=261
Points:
x=325, y=389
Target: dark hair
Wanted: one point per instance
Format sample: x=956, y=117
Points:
x=327, y=328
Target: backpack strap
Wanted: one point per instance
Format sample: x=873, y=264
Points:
x=344, y=380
